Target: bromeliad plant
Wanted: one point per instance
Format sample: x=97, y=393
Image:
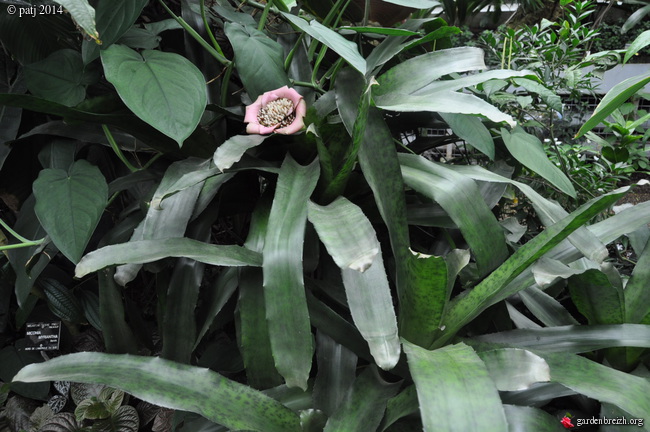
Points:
x=301, y=268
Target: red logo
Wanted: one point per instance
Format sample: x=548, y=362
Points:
x=566, y=422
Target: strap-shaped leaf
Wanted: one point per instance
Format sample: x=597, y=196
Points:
x=455, y=390
x=69, y=205
x=284, y=290
x=233, y=149
x=164, y=89
x=145, y=251
x=346, y=232
x=371, y=306
x=514, y=369
x=171, y=385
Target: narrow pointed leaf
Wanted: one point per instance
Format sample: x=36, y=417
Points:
x=455, y=390
x=372, y=310
x=346, y=232
x=614, y=98
x=284, y=290
x=574, y=339
x=364, y=407
x=70, y=204
x=641, y=41
x=415, y=74
x=337, y=43
x=529, y=150
x=600, y=301
x=163, y=89
x=145, y=251
x=171, y=385
x=637, y=294
x=497, y=287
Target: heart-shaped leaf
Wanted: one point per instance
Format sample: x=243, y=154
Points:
x=164, y=89
x=83, y=14
x=69, y=205
x=61, y=77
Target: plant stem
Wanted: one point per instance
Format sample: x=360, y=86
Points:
x=265, y=14
x=366, y=14
x=289, y=59
x=308, y=85
x=220, y=58
x=117, y=150
x=209, y=30
x=225, y=80
x=23, y=241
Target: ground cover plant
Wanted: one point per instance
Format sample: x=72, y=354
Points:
x=219, y=205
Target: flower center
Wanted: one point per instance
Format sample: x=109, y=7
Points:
x=277, y=113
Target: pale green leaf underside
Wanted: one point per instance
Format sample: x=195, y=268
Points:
x=144, y=251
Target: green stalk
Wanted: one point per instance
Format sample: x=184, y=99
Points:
x=265, y=14
x=207, y=28
x=289, y=59
x=14, y=233
x=117, y=150
x=224, y=85
x=366, y=13
x=220, y=58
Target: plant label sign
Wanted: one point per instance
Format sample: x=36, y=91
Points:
x=43, y=336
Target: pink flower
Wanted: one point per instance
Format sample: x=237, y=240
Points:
x=566, y=422
x=280, y=111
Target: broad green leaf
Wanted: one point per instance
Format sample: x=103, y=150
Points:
x=600, y=382
x=526, y=418
x=284, y=290
x=346, y=232
x=234, y=148
x=415, y=74
x=164, y=89
x=145, y=251
x=460, y=198
x=69, y=205
x=497, y=287
x=514, y=369
x=371, y=306
x=444, y=102
x=641, y=41
x=337, y=43
x=380, y=167
x=472, y=130
x=637, y=294
x=455, y=390
x=574, y=339
x=61, y=77
x=117, y=334
x=83, y=14
x=365, y=404
x=597, y=298
x=614, y=98
x=259, y=59
x=391, y=46
x=114, y=18
x=529, y=151
x=336, y=373
x=223, y=289
x=171, y=385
